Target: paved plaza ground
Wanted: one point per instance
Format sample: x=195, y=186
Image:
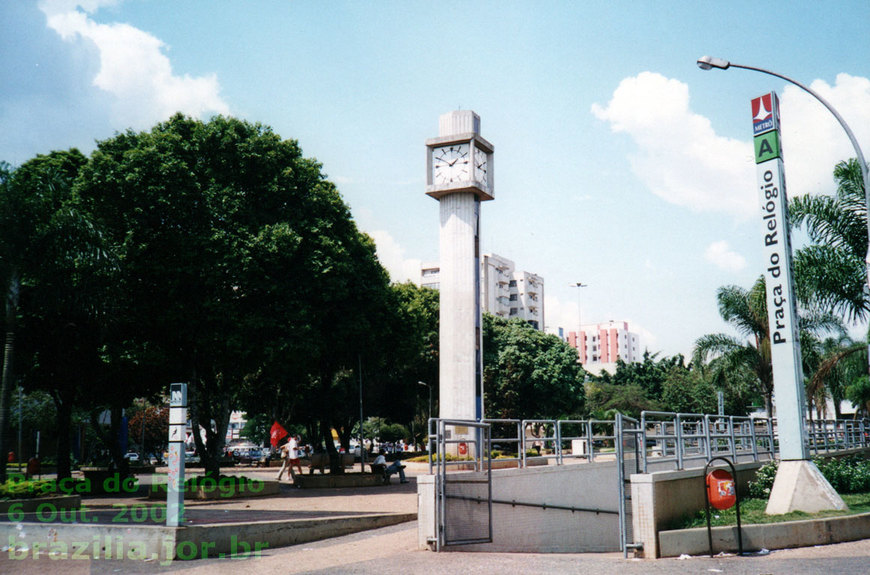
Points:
x=394, y=549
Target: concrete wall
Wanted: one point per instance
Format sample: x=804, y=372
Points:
x=662, y=497
x=533, y=529
x=766, y=536
x=163, y=544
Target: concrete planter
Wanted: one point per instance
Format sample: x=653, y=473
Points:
x=338, y=480
x=784, y=535
x=221, y=491
x=100, y=480
x=38, y=503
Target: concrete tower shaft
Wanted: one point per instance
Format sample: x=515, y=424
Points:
x=460, y=306
x=460, y=176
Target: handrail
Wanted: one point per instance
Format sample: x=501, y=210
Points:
x=663, y=437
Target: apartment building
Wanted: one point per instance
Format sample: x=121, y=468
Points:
x=601, y=344
x=504, y=292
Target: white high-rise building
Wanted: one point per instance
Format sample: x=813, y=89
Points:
x=504, y=292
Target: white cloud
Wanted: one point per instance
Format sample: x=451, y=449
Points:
x=682, y=160
x=133, y=67
x=813, y=141
x=648, y=340
x=559, y=314
x=392, y=257
x=720, y=254
x=679, y=156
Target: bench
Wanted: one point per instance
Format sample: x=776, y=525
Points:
x=381, y=471
x=320, y=461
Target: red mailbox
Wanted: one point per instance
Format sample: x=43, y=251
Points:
x=721, y=490
x=463, y=448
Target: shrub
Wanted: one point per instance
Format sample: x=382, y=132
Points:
x=17, y=488
x=847, y=474
x=763, y=483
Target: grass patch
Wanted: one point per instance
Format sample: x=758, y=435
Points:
x=752, y=511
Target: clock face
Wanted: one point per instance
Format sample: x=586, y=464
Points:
x=481, y=167
x=451, y=164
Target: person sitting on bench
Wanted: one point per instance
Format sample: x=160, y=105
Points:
x=380, y=463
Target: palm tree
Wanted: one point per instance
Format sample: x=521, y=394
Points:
x=747, y=312
x=831, y=272
x=843, y=363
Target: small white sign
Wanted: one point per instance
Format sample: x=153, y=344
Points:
x=177, y=416
x=177, y=433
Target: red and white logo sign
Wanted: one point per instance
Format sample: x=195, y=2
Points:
x=763, y=113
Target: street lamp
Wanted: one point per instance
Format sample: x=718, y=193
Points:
x=579, y=285
x=428, y=431
x=424, y=384
x=708, y=63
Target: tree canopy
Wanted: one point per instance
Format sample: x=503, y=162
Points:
x=528, y=374
x=240, y=266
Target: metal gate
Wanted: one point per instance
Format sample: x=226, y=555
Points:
x=628, y=436
x=463, y=484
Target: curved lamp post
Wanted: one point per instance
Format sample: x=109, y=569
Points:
x=708, y=63
x=785, y=493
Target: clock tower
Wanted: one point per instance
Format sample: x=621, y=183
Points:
x=459, y=174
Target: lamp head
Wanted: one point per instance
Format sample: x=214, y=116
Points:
x=708, y=63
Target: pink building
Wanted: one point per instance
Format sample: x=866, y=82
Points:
x=604, y=343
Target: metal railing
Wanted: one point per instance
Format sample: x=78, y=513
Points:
x=685, y=438
x=681, y=439
x=837, y=434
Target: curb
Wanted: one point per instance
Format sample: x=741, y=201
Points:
x=806, y=533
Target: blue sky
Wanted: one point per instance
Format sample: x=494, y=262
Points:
x=618, y=162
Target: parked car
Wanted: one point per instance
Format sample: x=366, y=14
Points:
x=131, y=456
x=246, y=453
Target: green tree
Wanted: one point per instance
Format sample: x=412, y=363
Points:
x=746, y=311
x=858, y=392
x=257, y=428
x=240, y=269
x=650, y=374
x=53, y=268
x=733, y=357
x=831, y=272
x=391, y=388
x=842, y=363
x=528, y=374
x=638, y=386
x=155, y=420
x=688, y=391
x=606, y=399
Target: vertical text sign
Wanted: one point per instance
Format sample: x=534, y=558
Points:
x=177, y=433
x=785, y=352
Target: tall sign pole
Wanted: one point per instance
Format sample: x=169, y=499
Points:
x=785, y=351
x=799, y=486
x=177, y=433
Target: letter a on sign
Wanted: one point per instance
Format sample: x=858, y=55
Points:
x=766, y=147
